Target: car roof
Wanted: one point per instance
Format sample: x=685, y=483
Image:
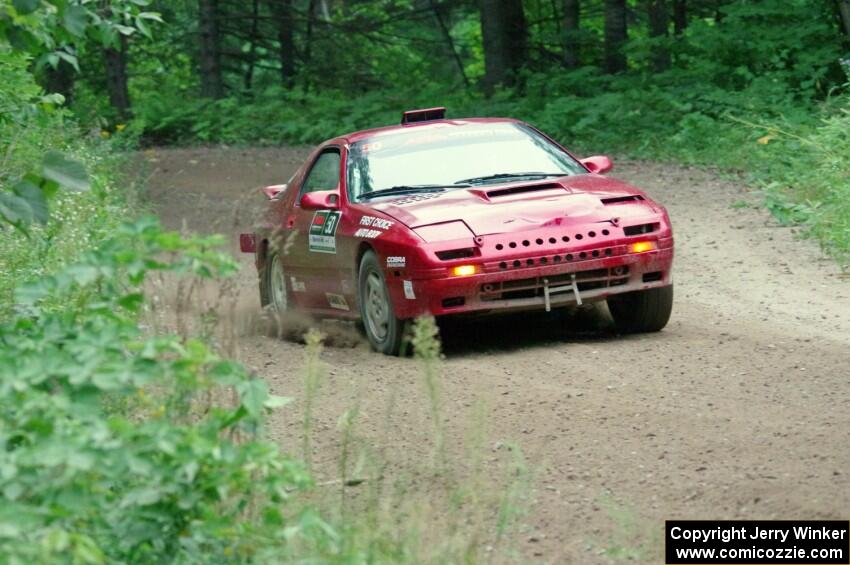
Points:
x=429, y=125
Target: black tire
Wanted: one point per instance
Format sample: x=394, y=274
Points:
x=384, y=331
x=269, y=299
x=642, y=310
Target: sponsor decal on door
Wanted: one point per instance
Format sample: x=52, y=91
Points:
x=323, y=231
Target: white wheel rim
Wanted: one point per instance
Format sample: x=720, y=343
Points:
x=278, y=285
x=376, y=306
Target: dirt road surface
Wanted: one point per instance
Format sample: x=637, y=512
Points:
x=739, y=409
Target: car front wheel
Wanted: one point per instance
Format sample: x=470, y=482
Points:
x=642, y=310
x=384, y=331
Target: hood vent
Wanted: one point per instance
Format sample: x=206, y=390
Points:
x=622, y=199
x=522, y=189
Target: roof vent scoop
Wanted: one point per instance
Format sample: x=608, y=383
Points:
x=424, y=115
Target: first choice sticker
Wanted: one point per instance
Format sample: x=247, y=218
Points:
x=323, y=231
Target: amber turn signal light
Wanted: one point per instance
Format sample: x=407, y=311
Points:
x=642, y=247
x=464, y=270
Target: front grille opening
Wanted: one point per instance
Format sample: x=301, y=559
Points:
x=454, y=302
x=652, y=277
x=533, y=287
x=456, y=254
x=622, y=199
x=640, y=229
x=605, y=232
x=513, y=294
x=503, y=265
x=499, y=247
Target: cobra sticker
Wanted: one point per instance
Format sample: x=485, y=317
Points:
x=396, y=262
x=323, y=231
x=337, y=301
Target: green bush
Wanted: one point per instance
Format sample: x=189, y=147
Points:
x=30, y=128
x=118, y=446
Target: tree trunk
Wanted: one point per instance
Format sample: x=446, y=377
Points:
x=286, y=42
x=615, y=36
x=212, y=85
x=115, y=60
x=252, y=49
x=658, y=21
x=572, y=13
x=60, y=80
x=844, y=11
x=308, y=43
x=504, y=32
x=451, y=50
x=680, y=17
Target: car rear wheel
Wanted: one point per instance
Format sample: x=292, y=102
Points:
x=273, y=293
x=643, y=310
x=384, y=331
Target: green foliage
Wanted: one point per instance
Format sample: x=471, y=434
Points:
x=53, y=30
x=119, y=446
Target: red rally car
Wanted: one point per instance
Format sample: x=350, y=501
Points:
x=459, y=216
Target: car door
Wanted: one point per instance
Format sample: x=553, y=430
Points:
x=312, y=261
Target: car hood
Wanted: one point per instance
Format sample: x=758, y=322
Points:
x=522, y=206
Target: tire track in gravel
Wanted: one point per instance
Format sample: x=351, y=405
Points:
x=737, y=410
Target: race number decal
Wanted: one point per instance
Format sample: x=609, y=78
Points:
x=323, y=231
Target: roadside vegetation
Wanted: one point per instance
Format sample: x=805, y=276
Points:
x=119, y=443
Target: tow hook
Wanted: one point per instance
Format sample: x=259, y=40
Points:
x=548, y=291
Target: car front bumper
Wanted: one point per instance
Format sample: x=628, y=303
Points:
x=534, y=282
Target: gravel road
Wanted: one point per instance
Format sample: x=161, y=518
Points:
x=739, y=409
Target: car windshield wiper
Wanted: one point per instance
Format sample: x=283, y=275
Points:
x=501, y=176
x=408, y=189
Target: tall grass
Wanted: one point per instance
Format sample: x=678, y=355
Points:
x=447, y=508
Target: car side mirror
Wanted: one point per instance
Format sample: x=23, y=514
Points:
x=320, y=200
x=598, y=164
x=272, y=191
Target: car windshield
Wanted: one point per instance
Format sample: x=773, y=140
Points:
x=453, y=156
